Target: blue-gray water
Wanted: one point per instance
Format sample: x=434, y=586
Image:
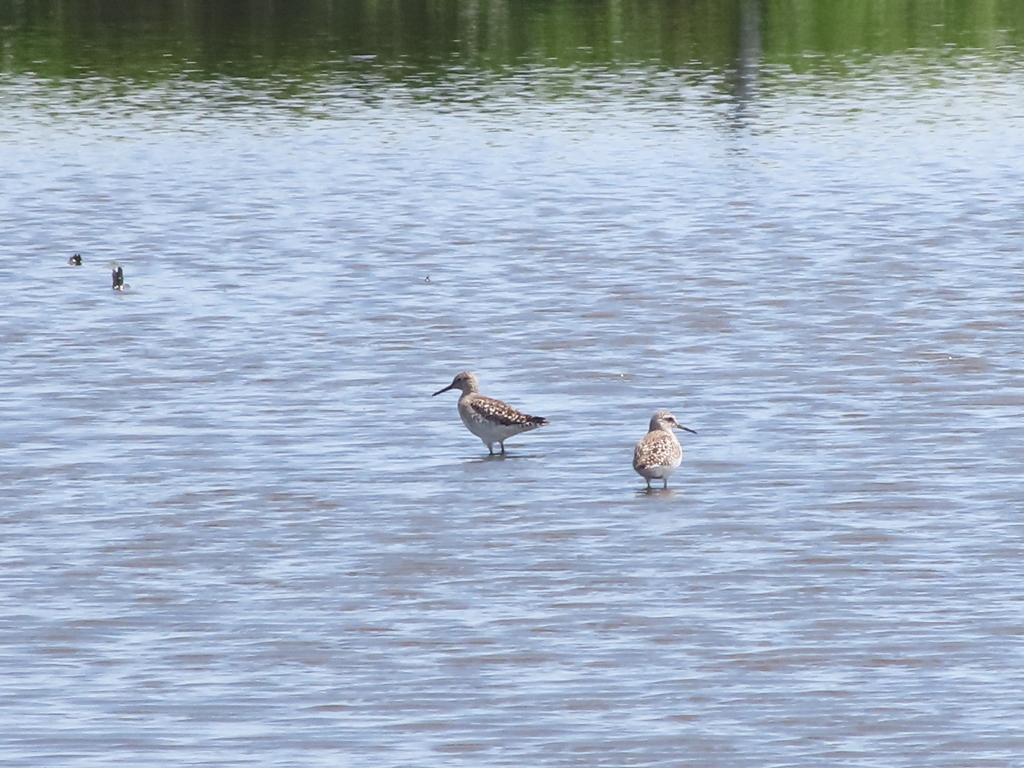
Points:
x=237, y=530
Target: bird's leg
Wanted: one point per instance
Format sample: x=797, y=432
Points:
x=490, y=450
x=502, y=444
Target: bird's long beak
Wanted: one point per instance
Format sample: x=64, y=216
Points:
x=450, y=386
x=691, y=431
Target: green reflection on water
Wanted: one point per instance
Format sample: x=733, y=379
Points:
x=144, y=39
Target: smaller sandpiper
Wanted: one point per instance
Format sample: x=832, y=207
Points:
x=117, y=277
x=658, y=454
x=491, y=420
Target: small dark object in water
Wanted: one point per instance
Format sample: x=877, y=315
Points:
x=76, y=260
x=117, y=276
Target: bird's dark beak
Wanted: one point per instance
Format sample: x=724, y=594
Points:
x=450, y=386
x=691, y=431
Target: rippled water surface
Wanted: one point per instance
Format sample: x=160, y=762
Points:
x=237, y=530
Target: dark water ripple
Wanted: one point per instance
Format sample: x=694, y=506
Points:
x=237, y=529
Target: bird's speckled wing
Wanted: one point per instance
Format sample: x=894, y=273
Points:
x=657, y=449
x=502, y=413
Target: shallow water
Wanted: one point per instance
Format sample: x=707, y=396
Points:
x=238, y=530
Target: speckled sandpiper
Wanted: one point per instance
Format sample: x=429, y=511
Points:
x=658, y=454
x=491, y=420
